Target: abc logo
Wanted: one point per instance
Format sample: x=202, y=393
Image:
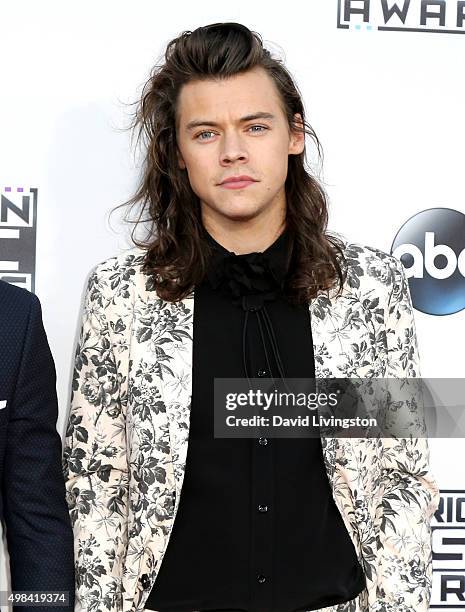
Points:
x=431, y=247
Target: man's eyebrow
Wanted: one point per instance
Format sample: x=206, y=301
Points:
x=204, y=122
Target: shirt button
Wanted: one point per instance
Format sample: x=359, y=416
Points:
x=261, y=578
x=262, y=508
x=261, y=372
x=263, y=441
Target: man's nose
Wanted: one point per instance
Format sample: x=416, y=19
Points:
x=233, y=149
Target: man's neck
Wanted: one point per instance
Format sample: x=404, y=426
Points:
x=243, y=238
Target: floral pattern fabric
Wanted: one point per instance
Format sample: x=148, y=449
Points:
x=127, y=434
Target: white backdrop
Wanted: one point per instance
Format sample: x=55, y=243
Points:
x=386, y=105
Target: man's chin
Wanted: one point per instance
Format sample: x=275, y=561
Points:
x=239, y=211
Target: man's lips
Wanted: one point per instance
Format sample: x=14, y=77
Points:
x=237, y=182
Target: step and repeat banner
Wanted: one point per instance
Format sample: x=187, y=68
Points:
x=383, y=89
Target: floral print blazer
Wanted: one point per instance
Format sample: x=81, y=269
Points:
x=127, y=434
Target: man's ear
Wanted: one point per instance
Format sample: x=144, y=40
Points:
x=297, y=138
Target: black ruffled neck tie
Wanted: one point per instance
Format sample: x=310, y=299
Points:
x=251, y=280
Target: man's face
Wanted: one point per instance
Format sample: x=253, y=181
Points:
x=219, y=135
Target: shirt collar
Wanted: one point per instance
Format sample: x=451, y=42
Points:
x=277, y=257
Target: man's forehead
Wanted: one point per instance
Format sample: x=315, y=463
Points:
x=234, y=97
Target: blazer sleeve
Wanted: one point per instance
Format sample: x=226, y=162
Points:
x=94, y=458
x=410, y=494
x=38, y=529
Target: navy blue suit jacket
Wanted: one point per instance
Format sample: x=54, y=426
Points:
x=33, y=508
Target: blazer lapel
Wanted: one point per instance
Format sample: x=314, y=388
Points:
x=160, y=382
x=177, y=393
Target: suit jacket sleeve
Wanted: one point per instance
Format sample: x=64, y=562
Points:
x=38, y=530
x=410, y=494
x=94, y=458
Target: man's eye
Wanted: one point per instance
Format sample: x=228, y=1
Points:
x=202, y=133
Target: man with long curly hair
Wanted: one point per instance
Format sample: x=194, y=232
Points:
x=238, y=277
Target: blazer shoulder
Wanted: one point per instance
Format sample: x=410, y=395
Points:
x=129, y=261
x=371, y=266
x=367, y=253
x=114, y=283
x=19, y=309
x=16, y=298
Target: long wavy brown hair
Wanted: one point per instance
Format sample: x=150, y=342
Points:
x=177, y=253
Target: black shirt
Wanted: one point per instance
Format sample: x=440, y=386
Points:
x=257, y=528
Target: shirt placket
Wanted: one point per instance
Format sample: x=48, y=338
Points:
x=261, y=580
